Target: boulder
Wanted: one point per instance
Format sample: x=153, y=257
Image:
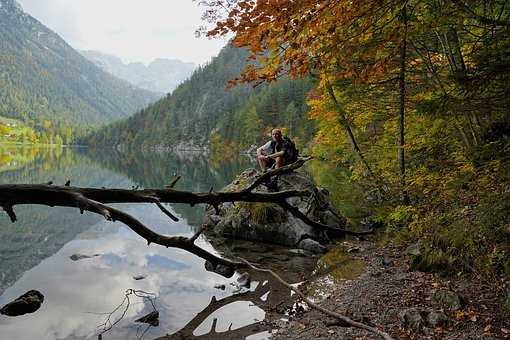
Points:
x=448, y=299
x=414, y=249
x=437, y=319
x=269, y=223
x=417, y=318
x=312, y=246
x=223, y=270
x=244, y=280
x=387, y=261
x=29, y=302
x=413, y=318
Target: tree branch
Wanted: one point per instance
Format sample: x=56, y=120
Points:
x=278, y=171
x=167, y=212
x=253, y=296
x=173, y=183
x=338, y=231
x=95, y=200
x=72, y=197
x=8, y=209
x=16, y=194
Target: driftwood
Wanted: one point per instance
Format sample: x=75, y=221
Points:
x=95, y=200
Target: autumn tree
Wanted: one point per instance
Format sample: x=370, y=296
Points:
x=339, y=42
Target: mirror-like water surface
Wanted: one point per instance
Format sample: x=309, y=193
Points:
x=35, y=253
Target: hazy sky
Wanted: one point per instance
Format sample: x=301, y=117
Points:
x=131, y=29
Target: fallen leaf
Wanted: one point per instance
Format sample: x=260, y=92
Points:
x=487, y=328
x=504, y=330
x=473, y=318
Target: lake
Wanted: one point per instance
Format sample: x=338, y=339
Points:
x=80, y=295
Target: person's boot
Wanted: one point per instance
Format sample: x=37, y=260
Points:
x=272, y=184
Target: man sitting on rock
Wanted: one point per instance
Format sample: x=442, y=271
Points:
x=279, y=151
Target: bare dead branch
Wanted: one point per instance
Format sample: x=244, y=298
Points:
x=338, y=231
x=70, y=197
x=167, y=212
x=173, y=183
x=186, y=332
x=278, y=171
x=197, y=234
x=338, y=316
x=16, y=194
x=107, y=325
x=10, y=211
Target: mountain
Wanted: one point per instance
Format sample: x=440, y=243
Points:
x=42, y=78
x=162, y=75
x=203, y=109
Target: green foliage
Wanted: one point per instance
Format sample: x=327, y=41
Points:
x=457, y=135
x=263, y=213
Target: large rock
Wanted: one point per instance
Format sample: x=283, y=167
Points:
x=29, y=302
x=267, y=222
x=448, y=299
x=413, y=318
x=312, y=246
x=437, y=319
x=417, y=318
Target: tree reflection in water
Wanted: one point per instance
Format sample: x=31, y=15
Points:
x=41, y=232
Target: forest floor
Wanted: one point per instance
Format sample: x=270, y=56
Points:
x=387, y=288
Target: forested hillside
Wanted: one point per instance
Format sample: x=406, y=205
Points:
x=47, y=84
x=203, y=109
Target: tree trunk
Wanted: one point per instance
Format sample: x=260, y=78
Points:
x=347, y=127
x=401, y=113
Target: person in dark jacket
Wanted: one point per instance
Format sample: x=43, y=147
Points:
x=279, y=151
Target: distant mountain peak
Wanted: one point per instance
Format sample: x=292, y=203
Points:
x=161, y=75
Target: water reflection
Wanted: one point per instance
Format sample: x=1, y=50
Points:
x=36, y=251
x=155, y=170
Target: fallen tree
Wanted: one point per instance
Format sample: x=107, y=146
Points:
x=95, y=200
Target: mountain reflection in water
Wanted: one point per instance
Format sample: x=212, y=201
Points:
x=35, y=252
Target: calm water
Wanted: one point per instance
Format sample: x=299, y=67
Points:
x=35, y=253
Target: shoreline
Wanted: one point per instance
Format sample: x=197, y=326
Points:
x=387, y=290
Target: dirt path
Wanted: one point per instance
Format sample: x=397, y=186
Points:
x=387, y=288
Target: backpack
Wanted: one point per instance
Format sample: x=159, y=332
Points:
x=291, y=152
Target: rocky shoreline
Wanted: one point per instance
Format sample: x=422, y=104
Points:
x=362, y=279
x=406, y=304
